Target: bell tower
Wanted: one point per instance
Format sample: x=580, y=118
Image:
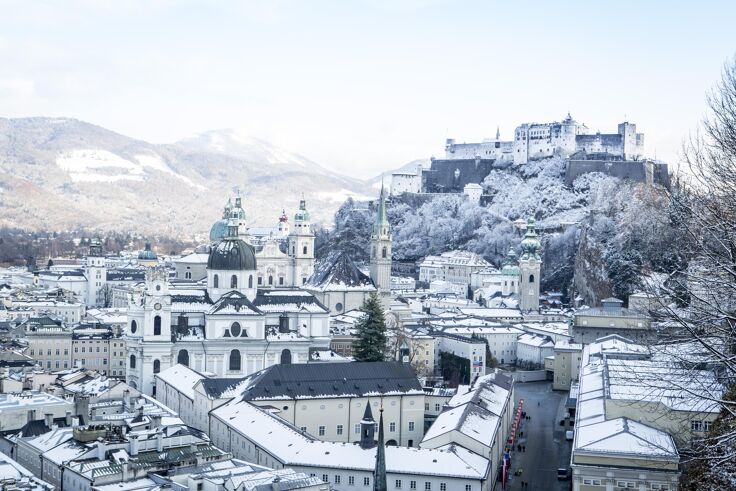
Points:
x=96, y=272
x=381, y=250
x=157, y=306
x=530, y=266
x=301, y=245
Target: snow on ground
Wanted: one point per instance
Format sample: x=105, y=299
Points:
x=91, y=165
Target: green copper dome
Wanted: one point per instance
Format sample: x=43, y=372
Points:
x=218, y=230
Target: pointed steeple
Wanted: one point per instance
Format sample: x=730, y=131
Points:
x=379, y=474
x=367, y=428
x=498, y=133
x=381, y=225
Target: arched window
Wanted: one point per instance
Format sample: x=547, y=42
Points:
x=216, y=281
x=235, y=360
x=260, y=280
x=305, y=250
x=132, y=361
x=250, y=281
x=281, y=280
x=285, y=357
x=233, y=281
x=183, y=357
x=235, y=330
x=383, y=253
x=531, y=278
x=157, y=325
x=270, y=279
x=156, y=366
x=133, y=326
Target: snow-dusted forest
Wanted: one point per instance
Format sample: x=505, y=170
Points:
x=599, y=235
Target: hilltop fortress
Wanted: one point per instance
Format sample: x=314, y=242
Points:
x=619, y=154
x=533, y=141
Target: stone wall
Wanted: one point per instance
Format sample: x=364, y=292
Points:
x=644, y=171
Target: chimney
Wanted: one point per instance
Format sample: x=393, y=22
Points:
x=69, y=418
x=133, y=444
x=160, y=442
x=101, y=449
x=126, y=471
x=49, y=419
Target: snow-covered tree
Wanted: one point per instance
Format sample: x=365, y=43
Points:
x=371, y=343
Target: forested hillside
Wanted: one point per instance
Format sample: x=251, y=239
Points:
x=599, y=235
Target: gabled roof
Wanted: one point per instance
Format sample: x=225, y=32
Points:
x=288, y=300
x=302, y=381
x=338, y=271
x=627, y=437
x=234, y=302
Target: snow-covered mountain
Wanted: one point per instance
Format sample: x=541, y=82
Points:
x=60, y=173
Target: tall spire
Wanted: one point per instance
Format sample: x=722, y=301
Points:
x=498, y=133
x=379, y=474
x=381, y=222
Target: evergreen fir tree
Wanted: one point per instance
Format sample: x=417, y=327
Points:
x=371, y=343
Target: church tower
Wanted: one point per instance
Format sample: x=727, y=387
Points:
x=381, y=250
x=301, y=245
x=149, y=332
x=96, y=273
x=530, y=265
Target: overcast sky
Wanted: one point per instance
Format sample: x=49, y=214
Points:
x=364, y=86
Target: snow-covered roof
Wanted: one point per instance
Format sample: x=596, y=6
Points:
x=536, y=341
x=474, y=412
x=625, y=437
x=294, y=448
x=338, y=272
x=182, y=378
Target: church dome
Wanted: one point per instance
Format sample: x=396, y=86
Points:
x=232, y=255
x=147, y=254
x=218, y=230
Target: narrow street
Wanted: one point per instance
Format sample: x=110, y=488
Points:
x=546, y=447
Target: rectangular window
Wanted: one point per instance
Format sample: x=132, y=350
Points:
x=356, y=429
x=392, y=427
x=426, y=406
x=366, y=481
x=437, y=407
x=412, y=485
x=303, y=429
x=337, y=479
x=443, y=486
x=696, y=425
x=321, y=431
x=398, y=484
x=351, y=480
x=427, y=486
x=706, y=425
x=411, y=425
x=325, y=478
x=339, y=429
x=468, y=487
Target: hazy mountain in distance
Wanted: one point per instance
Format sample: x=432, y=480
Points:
x=61, y=173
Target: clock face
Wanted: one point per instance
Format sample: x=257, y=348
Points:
x=157, y=306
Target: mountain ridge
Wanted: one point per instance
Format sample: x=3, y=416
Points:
x=64, y=173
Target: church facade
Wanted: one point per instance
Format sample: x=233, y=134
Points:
x=249, y=315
